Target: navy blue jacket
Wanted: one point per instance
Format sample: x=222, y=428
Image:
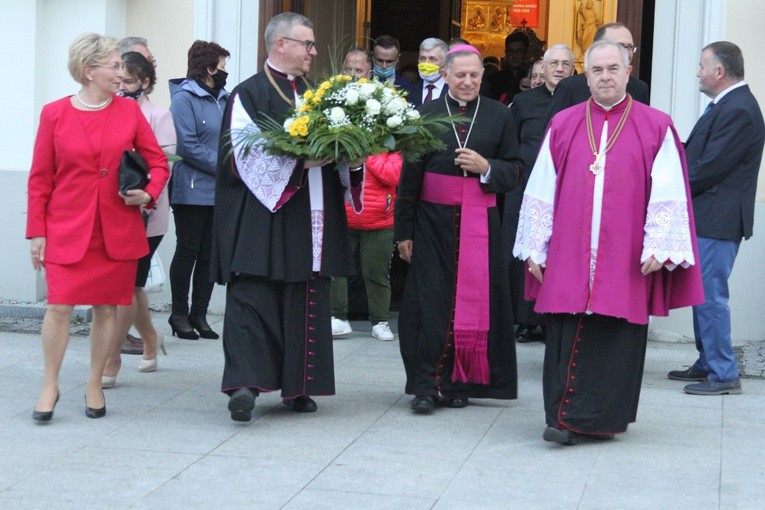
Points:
x=723, y=152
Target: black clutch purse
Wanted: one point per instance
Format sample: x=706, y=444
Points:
x=134, y=172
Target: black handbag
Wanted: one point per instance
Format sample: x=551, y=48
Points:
x=134, y=172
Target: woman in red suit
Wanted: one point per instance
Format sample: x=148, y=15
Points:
x=86, y=235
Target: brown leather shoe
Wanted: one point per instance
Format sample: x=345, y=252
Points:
x=132, y=345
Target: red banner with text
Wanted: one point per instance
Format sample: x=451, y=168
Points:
x=525, y=13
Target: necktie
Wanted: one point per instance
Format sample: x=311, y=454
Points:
x=709, y=107
x=429, y=95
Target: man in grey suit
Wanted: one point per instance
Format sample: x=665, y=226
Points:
x=723, y=151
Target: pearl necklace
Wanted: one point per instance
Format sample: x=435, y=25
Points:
x=93, y=106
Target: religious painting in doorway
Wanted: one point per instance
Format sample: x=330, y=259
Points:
x=486, y=23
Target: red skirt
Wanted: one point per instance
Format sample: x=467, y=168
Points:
x=97, y=279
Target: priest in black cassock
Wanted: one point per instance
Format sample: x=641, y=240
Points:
x=455, y=325
x=529, y=112
x=280, y=234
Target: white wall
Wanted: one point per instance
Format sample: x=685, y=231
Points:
x=682, y=29
x=35, y=36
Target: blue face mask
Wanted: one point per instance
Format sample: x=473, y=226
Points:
x=384, y=72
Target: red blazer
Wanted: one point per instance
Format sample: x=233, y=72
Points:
x=66, y=184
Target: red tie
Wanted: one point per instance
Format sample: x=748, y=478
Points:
x=429, y=95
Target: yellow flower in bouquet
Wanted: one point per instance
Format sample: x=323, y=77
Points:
x=344, y=119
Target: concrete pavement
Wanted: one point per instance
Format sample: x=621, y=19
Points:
x=167, y=440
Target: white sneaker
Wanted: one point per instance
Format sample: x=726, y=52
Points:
x=381, y=331
x=340, y=327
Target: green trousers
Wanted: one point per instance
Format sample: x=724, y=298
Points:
x=375, y=249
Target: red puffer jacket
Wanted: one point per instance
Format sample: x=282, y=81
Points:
x=380, y=181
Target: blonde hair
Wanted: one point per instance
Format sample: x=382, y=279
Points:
x=89, y=49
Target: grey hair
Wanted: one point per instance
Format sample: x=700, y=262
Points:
x=281, y=24
x=729, y=56
x=127, y=43
x=462, y=53
x=559, y=46
x=601, y=44
x=434, y=42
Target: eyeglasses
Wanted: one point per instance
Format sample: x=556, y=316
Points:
x=309, y=45
x=114, y=66
x=555, y=63
x=629, y=47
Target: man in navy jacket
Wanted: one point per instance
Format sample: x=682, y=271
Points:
x=723, y=151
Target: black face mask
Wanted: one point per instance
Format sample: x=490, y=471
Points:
x=134, y=95
x=219, y=79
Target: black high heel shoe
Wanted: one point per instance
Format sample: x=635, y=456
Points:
x=45, y=416
x=201, y=325
x=181, y=327
x=95, y=413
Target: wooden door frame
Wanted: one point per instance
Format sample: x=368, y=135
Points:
x=269, y=9
x=630, y=12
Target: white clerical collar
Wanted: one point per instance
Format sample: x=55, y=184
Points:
x=272, y=66
x=606, y=108
x=458, y=101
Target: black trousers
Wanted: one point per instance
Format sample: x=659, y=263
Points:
x=191, y=261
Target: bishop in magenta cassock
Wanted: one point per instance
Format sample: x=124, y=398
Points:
x=607, y=230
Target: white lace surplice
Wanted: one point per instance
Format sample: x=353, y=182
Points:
x=667, y=231
x=267, y=177
x=667, y=228
x=536, y=217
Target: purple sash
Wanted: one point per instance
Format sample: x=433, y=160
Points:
x=471, y=311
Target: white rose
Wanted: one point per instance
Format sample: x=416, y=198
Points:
x=394, y=121
x=351, y=97
x=395, y=105
x=373, y=106
x=366, y=90
x=337, y=114
x=413, y=114
x=288, y=123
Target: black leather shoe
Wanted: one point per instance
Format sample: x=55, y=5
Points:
x=687, y=375
x=45, y=416
x=204, y=329
x=91, y=412
x=301, y=404
x=562, y=436
x=132, y=345
x=181, y=327
x=456, y=402
x=241, y=404
x=523, y=335
x=423, y=404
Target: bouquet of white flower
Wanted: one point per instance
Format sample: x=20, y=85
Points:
x=347, y=120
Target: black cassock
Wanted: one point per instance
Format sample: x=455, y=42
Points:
x=529, y=111
x=277, y=332
x=427, y=310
